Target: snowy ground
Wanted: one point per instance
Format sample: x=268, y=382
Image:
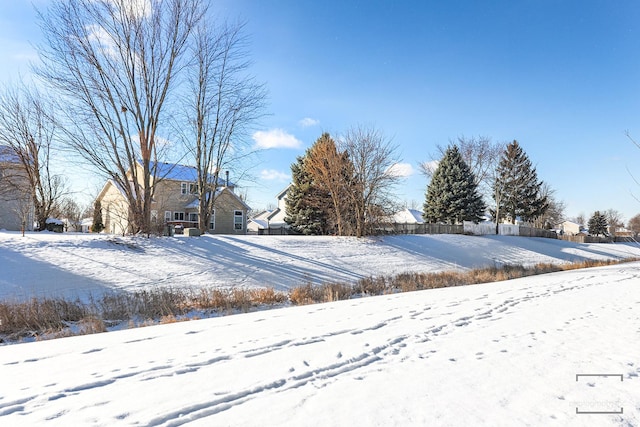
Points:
x=532, y=351
x=73, y=265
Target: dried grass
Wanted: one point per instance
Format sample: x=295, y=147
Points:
x=57, y=317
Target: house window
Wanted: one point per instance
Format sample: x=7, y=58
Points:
x=154, y=217
x=188, y=188
x=178, y=216
x=212, y=220
x=238, y=220
x=193, y=217
x=167, y=216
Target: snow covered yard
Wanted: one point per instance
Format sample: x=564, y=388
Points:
x=531, y=351
x=71, y=265
x=498, y=354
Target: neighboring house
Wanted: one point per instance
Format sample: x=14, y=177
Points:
x=175, y=204
x=570, y=228
x=16, y=207
x=272, y=221
x=408, y=216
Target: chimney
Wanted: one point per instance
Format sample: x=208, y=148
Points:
x=226, y=181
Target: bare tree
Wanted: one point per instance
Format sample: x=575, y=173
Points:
x=116, y=63
x=224, y=102
x=26, y=126
x=554, y=214
x=634, y=225
x=71, y=212
x=371, y=189
x=615, y=219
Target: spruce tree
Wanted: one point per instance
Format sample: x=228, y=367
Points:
x=305, y=213
x=452, y=196
x=517, y=190
x=598, y=224
x=97, y=225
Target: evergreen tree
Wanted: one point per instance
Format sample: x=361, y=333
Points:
x=305, y=212
x=598, y=224
x=517, y=191
x=97, y=225
x=452, y=196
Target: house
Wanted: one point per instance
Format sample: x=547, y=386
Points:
x=175, y=203
x=16, y=206
x=570, y=228
x=272, y=222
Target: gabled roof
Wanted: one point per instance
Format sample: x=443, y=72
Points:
x=196, y=203
x=408, y=216
x=176, y=172
x=283, y=192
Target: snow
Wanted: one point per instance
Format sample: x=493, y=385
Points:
x=500, y=354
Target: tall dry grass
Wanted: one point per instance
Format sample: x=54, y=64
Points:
x=55, y=317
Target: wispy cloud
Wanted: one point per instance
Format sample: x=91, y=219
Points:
x=308, y=122
x=274, y=175
x=401, y=170
x=275, y=138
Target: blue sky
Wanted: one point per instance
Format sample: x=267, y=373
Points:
x=561, y=77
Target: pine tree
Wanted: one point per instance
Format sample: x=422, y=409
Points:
x=598, y=224
x=97, y=225
x=452, y=196
x=304, y=201
x=517, y=191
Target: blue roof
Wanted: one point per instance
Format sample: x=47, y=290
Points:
x=177, y=172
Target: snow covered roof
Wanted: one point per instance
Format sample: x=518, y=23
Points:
x=257, y=224
x=178, y=172
x=54, y=221
x=408, y=216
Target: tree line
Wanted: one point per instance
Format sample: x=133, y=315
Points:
x=332, y=193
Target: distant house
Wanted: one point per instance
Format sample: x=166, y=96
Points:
x=16, y=207
x=408, y=216
x=175, y=203
x=270, y=222
x=570, y=228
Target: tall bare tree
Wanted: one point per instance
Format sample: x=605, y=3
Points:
x=27, y=128
x=224, y=101
x=554, y=214
x=116, y=64
x=373, y=157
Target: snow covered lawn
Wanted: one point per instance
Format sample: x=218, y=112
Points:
x=532, y=351
x=71, y=265
x=498, y=354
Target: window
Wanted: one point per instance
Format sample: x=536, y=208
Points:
x=178, y=216
x=188, y=188
x=167, y=216
x=193, y=217
x=238, y=220
x=154, y=217
x=212, y=220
